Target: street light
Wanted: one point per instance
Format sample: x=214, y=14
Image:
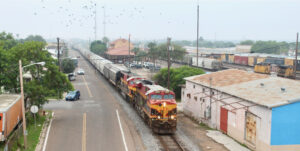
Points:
x=22, y=96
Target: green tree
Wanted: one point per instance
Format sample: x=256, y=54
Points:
x=247, y=42
x=176, y=77
x=67, y=65
x=270, y=47
x=46, y=81
x=98, y=47
x=177, y=52
x=7, y=41
x=105, y=40
x=35, y=38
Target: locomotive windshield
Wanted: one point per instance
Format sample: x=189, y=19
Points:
x=168, y=96
x=156, y=96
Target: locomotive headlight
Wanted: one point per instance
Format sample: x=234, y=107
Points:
x=158, y=117
x=172, y=117
x=164, y=104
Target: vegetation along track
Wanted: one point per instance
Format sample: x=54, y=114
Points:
x=170, y=143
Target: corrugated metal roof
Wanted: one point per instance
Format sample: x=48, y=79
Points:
x=225, y=77
x=7, y=100
x=256, y=88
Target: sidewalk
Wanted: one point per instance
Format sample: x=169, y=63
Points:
x=206, y=138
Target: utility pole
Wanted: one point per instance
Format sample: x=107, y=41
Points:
x=104, y=22
x=58, y=53
x=197, y=32
x=23, y=104
x=129, y=50
x=168, y=49
x=95, y=32
x=296, y=55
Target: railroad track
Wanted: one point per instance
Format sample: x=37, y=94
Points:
x=170, y=143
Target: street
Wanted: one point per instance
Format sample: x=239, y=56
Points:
x=95, y=122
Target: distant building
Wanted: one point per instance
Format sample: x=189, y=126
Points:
x=243, y=48
x=257, y=110
x=118, y=51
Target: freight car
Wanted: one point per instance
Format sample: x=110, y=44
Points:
x=207, y=63
x=10, y=114
x=155, y=104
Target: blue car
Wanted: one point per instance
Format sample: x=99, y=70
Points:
x=73, y=95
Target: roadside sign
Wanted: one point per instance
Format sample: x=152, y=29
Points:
x=34, y=109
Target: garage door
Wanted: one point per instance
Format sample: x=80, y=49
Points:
x=223, y=119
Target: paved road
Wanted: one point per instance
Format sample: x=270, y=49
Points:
x=91, y=123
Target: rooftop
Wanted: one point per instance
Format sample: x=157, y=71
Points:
x=256, y=88
x=6, y=100
x=225, y=78
x=123, y=51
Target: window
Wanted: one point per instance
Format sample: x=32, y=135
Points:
x=188, y=95
x=194, y=86
x=156, y=97
x=168, y=96
x=195, y=97
x=203, y=89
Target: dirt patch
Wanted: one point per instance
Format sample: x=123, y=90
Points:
x=197, y=133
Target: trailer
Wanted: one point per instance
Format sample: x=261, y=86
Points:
x=10, y=114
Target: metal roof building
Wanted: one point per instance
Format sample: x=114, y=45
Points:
x=258, y=110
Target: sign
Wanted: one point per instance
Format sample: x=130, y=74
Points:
x=34, y=109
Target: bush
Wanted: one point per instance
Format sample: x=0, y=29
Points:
x=176, y=77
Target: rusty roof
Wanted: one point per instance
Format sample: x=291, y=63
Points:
x=256, y=88
x=123, y=51
x=225, y=77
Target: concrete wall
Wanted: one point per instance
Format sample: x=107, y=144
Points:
x=236, y=114
x=286, y=125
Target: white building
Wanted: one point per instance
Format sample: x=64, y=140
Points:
x=260, y=111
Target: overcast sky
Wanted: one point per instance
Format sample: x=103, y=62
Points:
x=153, y=19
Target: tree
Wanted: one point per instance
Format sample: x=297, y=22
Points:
x=7, y=41
x=105, y=40
x=98, y=47
x=35, y=38
x=176, y=54
x=46, y=81
x=67, y=65
x=270, y=47
x=247, y=42
x=176, y=77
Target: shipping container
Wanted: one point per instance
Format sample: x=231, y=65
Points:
x=231, y=59
x=10, y=114
x=241, y=60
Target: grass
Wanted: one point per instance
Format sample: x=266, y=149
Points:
x=33, y=133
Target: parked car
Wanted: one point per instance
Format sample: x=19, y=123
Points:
x=80, y=72
x=73, y=95
x=72, y=76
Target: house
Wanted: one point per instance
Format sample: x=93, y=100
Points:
x=260, y=111
x=118, y=51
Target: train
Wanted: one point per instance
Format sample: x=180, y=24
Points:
x=155, y=104
x=261, y=63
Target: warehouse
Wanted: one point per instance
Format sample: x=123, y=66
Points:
x=257, y=110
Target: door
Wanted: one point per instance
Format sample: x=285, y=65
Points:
x=250, y=128
x=223, y=119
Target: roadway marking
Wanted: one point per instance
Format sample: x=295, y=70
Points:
x=87, y=87
x=48, y=131
x=123, y=137
x=84, y=132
